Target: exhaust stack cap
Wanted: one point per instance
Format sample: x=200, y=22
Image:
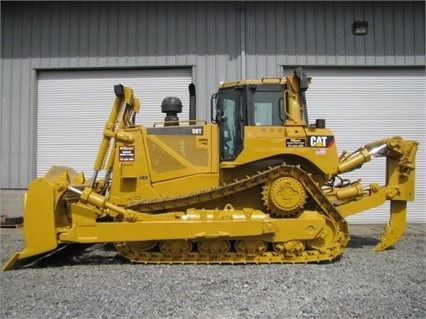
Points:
x=171, y=106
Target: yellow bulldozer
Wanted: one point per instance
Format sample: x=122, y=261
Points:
x=256, y=184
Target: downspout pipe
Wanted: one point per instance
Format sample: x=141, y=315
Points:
x=243, y=39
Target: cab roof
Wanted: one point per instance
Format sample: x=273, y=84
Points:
x=262, y=81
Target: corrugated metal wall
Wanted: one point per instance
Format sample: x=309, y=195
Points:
x=205, y=35
x=320, y=34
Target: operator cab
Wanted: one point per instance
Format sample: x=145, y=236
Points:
x=248, y=103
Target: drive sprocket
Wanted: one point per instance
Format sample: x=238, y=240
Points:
x=284, y=196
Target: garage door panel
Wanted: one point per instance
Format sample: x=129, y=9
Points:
x=365, y=105
x=73, y=107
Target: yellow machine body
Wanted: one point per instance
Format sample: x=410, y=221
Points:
x=257, y=185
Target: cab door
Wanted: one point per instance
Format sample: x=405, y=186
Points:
x=231, y=123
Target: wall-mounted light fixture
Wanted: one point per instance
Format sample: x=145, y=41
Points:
x=360, y=27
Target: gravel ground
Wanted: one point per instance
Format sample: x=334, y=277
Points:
x=93, y=282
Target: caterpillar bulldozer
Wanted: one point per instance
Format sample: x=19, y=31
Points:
x=256, y=184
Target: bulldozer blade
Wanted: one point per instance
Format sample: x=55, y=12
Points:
x=396, y=226
x=39, y=224
x=16, y=261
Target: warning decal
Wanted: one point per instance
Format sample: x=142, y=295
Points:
x=295, y=142
x=127, y=154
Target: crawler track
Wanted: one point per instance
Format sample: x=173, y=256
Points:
x=329, y=244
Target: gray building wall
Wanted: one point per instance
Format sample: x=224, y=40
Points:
x=222, y=41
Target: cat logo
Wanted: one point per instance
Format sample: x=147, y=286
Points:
x=321, y=141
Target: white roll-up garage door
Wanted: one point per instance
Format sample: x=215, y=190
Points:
x=363, y=105
x=73, y=107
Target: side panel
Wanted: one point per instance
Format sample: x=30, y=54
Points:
x=177, y=151
x=131, y=178
x=165, y=162
x=263, y=142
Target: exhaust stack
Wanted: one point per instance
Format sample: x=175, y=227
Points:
x=192, y=103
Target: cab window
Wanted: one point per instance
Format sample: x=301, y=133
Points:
x=268, y=108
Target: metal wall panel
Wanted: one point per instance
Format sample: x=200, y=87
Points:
x=320, y=34
x=204, y=35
